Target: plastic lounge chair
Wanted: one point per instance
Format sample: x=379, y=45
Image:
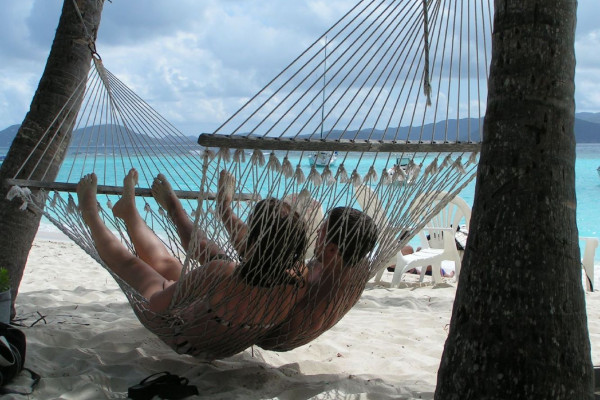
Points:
x=429, y=256
x=589, y=251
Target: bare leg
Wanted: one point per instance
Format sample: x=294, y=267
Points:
x=130, y=268
x=147, y=245
x=165, y=196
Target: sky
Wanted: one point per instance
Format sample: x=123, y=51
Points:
x=196, y=62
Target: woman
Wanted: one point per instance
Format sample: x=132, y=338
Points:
x=221, y=296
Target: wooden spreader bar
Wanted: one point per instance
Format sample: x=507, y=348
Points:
x=342, y=145
x=118, y=190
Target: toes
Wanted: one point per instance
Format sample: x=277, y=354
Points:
x=89, y=179
x=160, y=179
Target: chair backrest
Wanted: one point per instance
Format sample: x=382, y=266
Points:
x=456, y=213
x=589, y=251
x=370, y=204
x=312, y=211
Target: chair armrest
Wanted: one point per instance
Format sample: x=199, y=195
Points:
x=587, y=259
x=590, y=241
x=447, y=235
x=589, y=251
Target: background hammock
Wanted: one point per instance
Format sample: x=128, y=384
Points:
x=391, y=82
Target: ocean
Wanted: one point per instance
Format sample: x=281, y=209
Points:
x=587, y=188
x=587, y=191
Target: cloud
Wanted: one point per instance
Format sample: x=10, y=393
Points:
x=197, y=62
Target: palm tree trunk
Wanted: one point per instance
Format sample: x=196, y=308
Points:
x=68, y=63
x=519, y=325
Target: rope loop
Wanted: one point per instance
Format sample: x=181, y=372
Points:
x=91, y=41
x=92, y=47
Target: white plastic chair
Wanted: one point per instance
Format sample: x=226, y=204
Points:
x=587, y=261
x=456, y=214
x=427, y=256
x=441, y=244
x=442, y=228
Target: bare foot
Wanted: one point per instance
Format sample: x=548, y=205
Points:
x=86, y=196
x=447, y=274
x=163, y=193
x=126, y=203
x=226, y=188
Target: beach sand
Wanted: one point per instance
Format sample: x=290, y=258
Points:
x=85, y=342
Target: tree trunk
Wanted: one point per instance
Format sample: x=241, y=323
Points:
x=519, y=325
x=68, y=63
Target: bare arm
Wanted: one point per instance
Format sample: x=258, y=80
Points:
x=203, y=248
x=236, y=228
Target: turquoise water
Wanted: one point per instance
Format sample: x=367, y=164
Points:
x=587, y=186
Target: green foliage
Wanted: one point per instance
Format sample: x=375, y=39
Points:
x=4, y=280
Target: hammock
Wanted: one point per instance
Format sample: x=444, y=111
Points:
x=394, y=91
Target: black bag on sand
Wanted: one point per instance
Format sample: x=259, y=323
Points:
x=12, y=357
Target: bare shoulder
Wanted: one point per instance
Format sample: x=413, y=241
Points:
x=216, y=269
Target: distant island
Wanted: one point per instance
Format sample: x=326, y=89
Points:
x=587, y=130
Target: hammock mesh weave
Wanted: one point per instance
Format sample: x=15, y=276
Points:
x=391, y=97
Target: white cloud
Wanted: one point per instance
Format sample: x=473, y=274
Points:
x=196, y=62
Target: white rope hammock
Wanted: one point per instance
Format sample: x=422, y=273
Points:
x=392, y=82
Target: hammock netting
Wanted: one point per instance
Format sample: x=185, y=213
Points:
x=390, y=100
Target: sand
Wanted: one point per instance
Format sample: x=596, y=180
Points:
x=85, y=342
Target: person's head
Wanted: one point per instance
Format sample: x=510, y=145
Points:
x=275, y=245
x=352, y=232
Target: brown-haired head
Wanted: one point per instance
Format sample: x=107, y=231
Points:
x=275, y=246
x=353, y=232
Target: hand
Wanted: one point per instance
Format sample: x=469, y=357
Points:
x=226, y=188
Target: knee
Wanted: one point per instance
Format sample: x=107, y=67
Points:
x=407, y=250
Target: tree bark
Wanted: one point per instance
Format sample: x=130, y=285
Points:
x=68, y=63
x=519, y=325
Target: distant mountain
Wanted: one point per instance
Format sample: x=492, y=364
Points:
x=587, y=130
x=468, y=128
x=104, y=136
x=7, y=135
x=588, y=116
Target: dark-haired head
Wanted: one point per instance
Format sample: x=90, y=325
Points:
x=353, y=232
x=276, y=243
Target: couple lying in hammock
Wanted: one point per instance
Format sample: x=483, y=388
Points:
x=273, y=298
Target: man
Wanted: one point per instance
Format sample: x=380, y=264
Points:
x=335, y=279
